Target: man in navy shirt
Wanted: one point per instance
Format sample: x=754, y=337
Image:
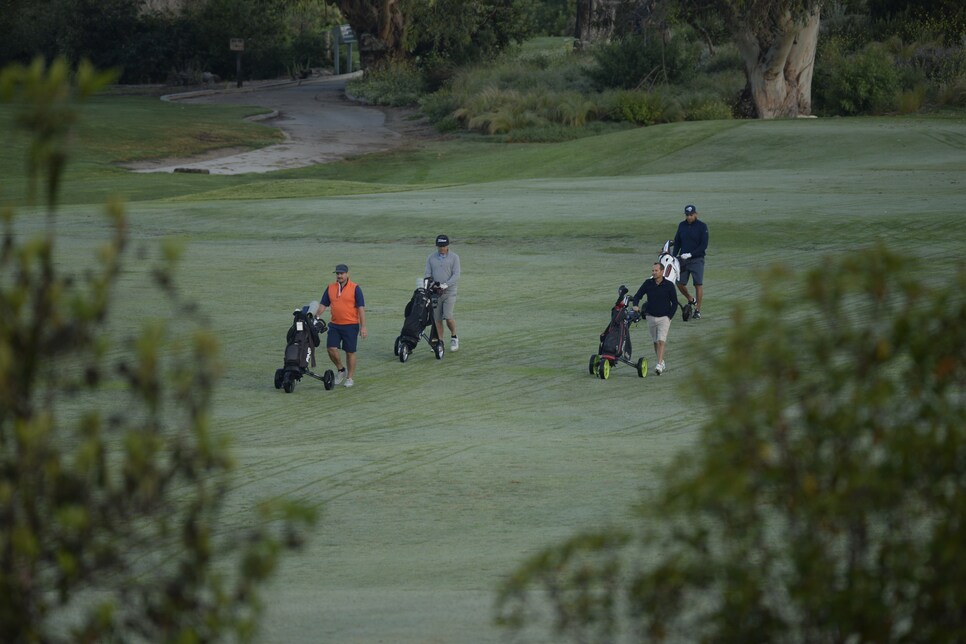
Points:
x=662, y=303
x=690, y=246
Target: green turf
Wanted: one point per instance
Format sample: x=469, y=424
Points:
x=436, y=478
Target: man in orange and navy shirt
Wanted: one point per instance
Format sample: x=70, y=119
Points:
x=344, y=297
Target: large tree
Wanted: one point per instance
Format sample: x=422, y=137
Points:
x=777, y=40
x=823, y=500
x=113, y=481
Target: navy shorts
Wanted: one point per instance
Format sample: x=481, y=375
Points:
x=343, y=336
x=693, y=267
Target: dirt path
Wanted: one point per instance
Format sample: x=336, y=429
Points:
x=320, y=125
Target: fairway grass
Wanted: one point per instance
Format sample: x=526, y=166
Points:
x=436, y=478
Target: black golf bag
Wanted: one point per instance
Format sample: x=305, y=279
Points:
x=615, y=341
x=303, y=338
x=419, y=315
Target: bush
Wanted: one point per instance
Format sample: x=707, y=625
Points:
x=396, y=83
x=727, y=59
x=644, y=61
x=439, y=105
x=705, y=108
x=863, y=83
x=954, y=93
x=647, y=108
x=912, y=100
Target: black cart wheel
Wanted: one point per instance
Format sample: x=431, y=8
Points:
x=642, y=368
x=395, y=347
x=288, y=384
x=278, y=378
x=403, y=353
x=594, y=358
x=328, y=379
x=439, y=350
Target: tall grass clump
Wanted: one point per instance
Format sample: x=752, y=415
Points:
x=526, y=89
x=396, y=83
x=954, y=94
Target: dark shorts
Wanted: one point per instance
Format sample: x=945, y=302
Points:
x=343, y=336
x=692, y=267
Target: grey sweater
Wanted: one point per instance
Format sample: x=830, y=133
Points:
x=444, y=269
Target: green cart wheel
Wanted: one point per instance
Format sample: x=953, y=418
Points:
x=603, y=369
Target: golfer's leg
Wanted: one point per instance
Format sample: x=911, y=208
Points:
x=350, y=360
x=684, y=291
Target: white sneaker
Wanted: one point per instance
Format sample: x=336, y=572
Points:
x=659, y=369
x=348, y=382
x=339, y=376
x=454, y=344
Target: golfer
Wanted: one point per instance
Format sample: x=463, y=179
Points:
x=443, y=267
x=345, y=299
x=690, y=246
x=662, y=303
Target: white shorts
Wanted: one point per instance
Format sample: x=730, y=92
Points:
x=658, y=327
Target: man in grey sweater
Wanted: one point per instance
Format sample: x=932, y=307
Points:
x=443, y=267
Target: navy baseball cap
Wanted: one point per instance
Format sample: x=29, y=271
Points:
x=341, y=268
x=442, y=240
x=690, y=210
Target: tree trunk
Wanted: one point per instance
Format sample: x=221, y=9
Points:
x=780, y=63
x=595, y=20
x=380, y=27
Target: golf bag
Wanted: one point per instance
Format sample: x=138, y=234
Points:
x=302, y=339
x=670, y=263
x=672, y=271
x=418, y=316
x=615, y=341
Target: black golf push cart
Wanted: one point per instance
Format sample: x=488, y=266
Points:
x=615, y=341
x=303, y=338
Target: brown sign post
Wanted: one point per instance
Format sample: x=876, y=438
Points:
x=237, y=45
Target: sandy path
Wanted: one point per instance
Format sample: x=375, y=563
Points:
x=320, y=125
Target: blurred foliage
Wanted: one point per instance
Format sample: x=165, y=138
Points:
x=823, y=500
x=113, y=483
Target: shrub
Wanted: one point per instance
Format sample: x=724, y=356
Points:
x=726, y=59
x=850, y=31
x=396, y=83
x=911, y=100
x=954, y=93
x=705, y=108
x=644, y=61
x=439, y=106
x=647, y=108
x=572, y=109
x=866, y=82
